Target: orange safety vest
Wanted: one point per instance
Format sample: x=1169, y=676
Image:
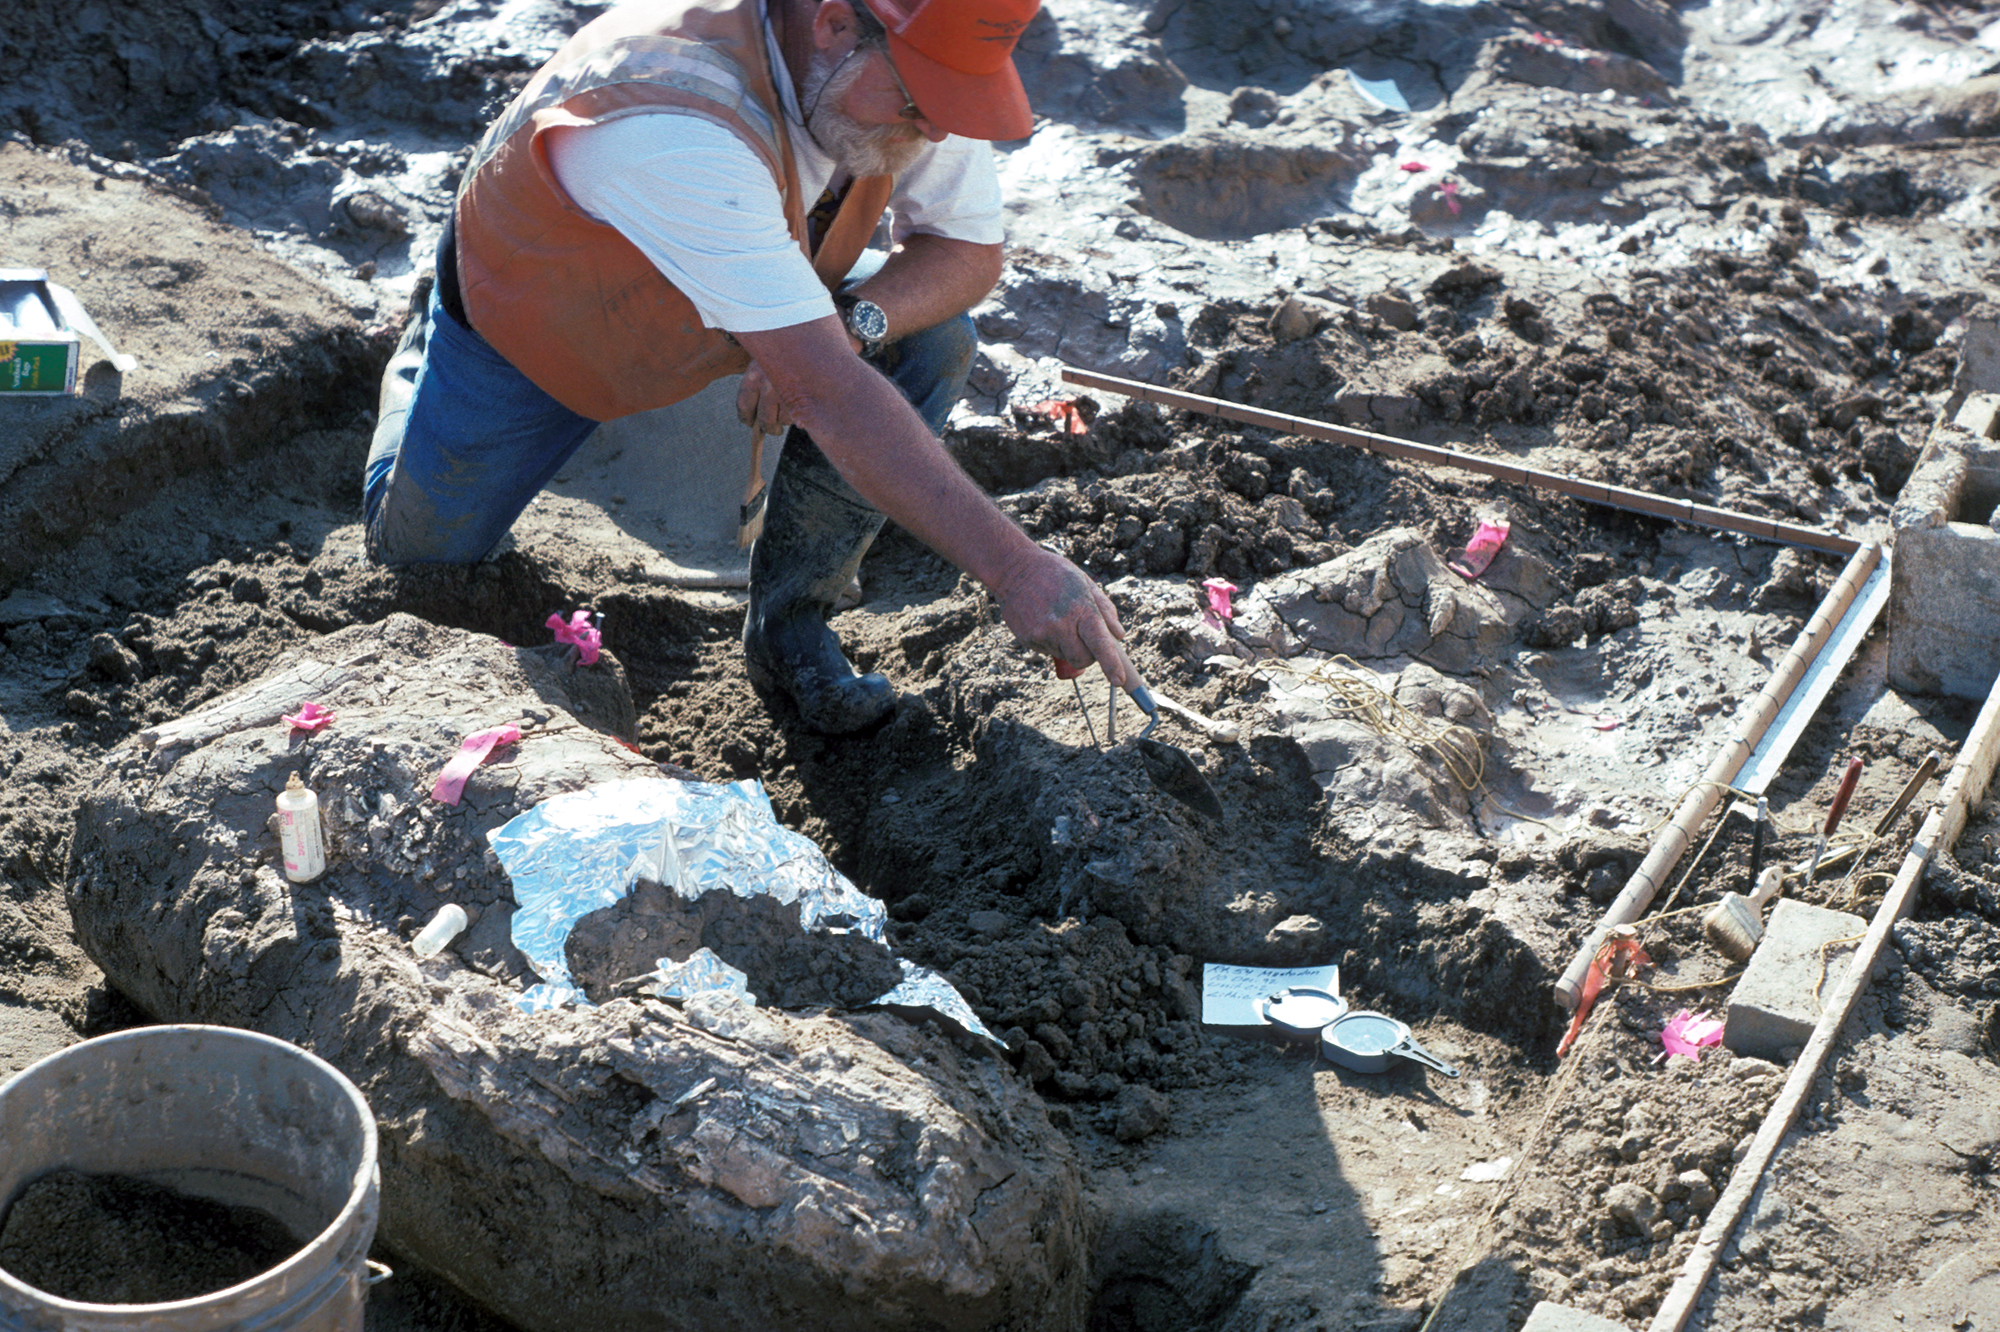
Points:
x=569, y=301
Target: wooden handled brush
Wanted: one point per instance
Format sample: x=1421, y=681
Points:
x=1736, y=923
x=750, y=516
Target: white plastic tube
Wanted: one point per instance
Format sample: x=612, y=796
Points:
x=299, y=832
x=446, y=925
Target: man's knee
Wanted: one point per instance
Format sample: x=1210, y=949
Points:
x=404, y=529
x=392, y=416
x=931, y=366
x=950, y=346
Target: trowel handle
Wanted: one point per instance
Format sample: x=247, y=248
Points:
x=1842, y=796
x=1409, y=1049
x=1925, y=771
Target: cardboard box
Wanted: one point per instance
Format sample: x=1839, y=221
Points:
x=39, y=351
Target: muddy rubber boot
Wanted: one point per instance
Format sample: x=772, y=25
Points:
x=392, y=414
x=816, y=529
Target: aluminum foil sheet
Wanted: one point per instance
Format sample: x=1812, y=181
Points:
x=582, y=851
x=702, y=973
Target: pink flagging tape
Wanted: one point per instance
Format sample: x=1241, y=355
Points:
x=309, y=717
x=1479, y=552
x=1219, y=591
x=1686, y=1034
x=451, y=781
x=579, y=631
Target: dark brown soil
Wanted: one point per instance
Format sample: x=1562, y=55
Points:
x=785, y=966
x=112, y=1239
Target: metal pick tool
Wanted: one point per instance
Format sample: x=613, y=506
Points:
x=1084, y=708
x=1302, y=1011
x=1366, y=1042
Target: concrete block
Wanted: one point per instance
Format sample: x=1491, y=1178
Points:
x=1979, y=415
x=1774, y=1007
x=1944, y=577
x=1561, y=1318
x=1979, y=353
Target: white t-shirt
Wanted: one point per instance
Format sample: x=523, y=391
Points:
x=702, y=206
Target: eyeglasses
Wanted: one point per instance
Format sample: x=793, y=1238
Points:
x=909, y=111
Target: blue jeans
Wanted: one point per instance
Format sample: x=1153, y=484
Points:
x=465, y=441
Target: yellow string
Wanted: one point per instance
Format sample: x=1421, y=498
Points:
x=1357, y=698
x=1459, y=749
x=1677, y=911
x=1559, y=1089
x=1826, y=964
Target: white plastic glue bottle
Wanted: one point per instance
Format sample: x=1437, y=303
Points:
x=299, y=833
x=446, y=925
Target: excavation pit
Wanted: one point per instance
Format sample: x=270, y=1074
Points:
x=1575, y=263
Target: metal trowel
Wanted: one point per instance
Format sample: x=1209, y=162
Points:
x=1171, y=768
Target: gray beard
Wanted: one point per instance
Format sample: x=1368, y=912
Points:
x=864, y=150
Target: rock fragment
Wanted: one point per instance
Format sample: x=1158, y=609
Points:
x=1299, y=317
x=1632, y=1205
x=1139, y=1112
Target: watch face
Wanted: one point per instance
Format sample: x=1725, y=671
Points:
x=867, y=322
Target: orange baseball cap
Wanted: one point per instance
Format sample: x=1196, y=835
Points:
x=957, y=59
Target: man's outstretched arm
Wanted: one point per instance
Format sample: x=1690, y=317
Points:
x=878, y=443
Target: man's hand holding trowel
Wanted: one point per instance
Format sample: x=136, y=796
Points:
x=1080, y=625
x=1053, y=607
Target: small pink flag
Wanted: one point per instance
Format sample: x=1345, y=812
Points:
x=1219, y=591
x=450, y=783
x=1414, y=166
x=579, y=631
x=1067, y=415
x=1479, y=551
x=1686, y=1034
x=309, y=717
x=1450, y=189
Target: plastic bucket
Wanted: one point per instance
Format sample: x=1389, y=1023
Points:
x=217, y=1113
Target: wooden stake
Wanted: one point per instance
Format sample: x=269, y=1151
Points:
x=1617, y=497
x=1963, y=790
x=1674, y=839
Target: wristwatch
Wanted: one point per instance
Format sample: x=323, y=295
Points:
x=865, y=320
